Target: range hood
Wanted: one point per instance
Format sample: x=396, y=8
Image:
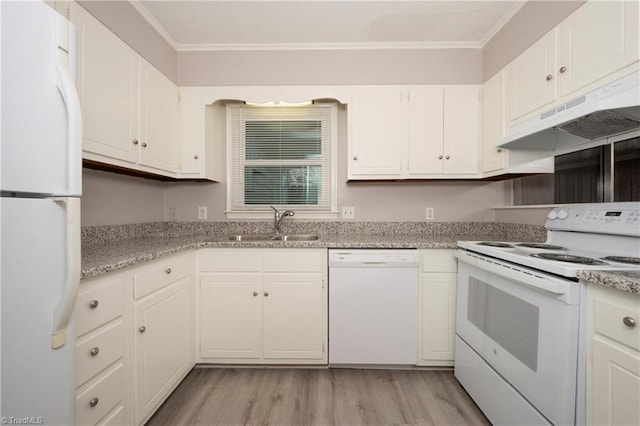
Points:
x=608, y=111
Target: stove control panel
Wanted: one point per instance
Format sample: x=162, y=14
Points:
x=601, y=218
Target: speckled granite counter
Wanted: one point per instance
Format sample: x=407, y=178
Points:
x=110, y=248
x=628, y=281
x=98, y=259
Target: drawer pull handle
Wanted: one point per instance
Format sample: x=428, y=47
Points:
x=439, y=157
x=94, y=351
x=93, y=402
x=266, y=294
x=93, y=304
x=255, y=293
x=447, y=157
x=135, y=142
x=196, y=157
x=142, y=329
x=629, y=322
x=549, y=77
x=168, y=270
x=563, y=70
x=144, y=144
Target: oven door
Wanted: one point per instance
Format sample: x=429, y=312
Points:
x=524, y=324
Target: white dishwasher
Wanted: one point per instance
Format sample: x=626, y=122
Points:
x=373, y=307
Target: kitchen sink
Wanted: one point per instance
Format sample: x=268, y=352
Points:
x=273, y=237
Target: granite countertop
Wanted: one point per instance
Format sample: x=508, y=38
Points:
x=628, y=281
x=102, y=257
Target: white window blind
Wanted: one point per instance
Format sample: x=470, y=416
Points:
x=281, y=156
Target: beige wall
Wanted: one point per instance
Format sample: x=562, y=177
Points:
x=111, y=199
x=530, y=23
x=299, y=67
x=530, y=215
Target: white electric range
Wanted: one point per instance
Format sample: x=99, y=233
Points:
x=519, y=324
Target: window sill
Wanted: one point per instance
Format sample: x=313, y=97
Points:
x=261, y=215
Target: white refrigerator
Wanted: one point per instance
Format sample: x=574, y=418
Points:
x=40, y=182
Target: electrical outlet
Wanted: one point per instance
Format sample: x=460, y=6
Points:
x=348, y=212
x=173, y=214
x=202, y=212
x=430, y=214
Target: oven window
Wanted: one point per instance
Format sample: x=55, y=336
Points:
x=509, y=321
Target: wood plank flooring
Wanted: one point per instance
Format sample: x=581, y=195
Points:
x=301, y=397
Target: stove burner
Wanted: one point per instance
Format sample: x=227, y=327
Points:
x=568, y=258
x=494, y=244
x=624, y=259
x=542, y=246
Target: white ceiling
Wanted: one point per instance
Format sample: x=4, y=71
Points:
x=267, y=24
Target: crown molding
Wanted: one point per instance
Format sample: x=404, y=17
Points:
x=326, y=46
x=137, y=5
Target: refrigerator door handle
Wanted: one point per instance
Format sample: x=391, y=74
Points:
x=62, y=312
x=67, y=87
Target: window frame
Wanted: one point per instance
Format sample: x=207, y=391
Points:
x=267, y=213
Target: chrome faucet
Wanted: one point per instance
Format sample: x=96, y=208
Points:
x=279, y=217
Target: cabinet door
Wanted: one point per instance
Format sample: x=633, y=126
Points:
x=107, y=76
x=461, y=129
x=294, y=323
x=532, y=80
x=231, y=315
x=158, y=120
x=596, y=40
x=494, y=123
x=425, y=130
x=161, y=344
x=438, y=317
x=378, y=132
x=615, y=386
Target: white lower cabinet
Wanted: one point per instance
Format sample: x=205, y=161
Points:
x=613, y=356
x=122, y=373
x=163, y=337
x=263, y=306
x=438, y=307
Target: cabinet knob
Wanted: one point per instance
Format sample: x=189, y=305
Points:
x=563, y=70
x=94, y=304
x=447, y=157
x=439, y=157
x=144, y=144
x=135, y=141
x=355, y=158
x=266, y=294
x=196, y=156
x=255, y=293
x=142, y=329
x=168, y=270
x=94, y=351
x=549, y=77
x=629, y=322
x=93, y=402
x=498, y=149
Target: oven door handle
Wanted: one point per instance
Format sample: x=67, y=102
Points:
x=528, y=277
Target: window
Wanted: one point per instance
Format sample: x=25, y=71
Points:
x=282, y=156
x=603, y=173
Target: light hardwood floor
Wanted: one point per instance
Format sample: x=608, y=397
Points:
x=300, y=397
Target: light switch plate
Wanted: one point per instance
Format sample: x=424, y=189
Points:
x=429, y=213
x=348, y=212
x=202, y=212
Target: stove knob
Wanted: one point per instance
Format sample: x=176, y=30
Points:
x=552, y=215
x=562, y=214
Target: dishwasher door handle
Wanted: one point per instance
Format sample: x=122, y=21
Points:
x=374, y=263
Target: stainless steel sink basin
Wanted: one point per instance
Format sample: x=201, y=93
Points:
x=273, y=237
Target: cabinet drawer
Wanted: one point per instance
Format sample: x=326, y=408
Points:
x=115, y=418
x=101, y=397
x=610, y=312
x=160, y=274
x=236, y=260
x=295, y=261
x=98, y=303
x=438, y=261
x=96, y=351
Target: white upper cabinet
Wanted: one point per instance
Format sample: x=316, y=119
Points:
x=595, y=44
x=107, y=78
x=378, y=131
x=494, y=124
x=130, y=109
x=413, y=132
x=598, y=39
